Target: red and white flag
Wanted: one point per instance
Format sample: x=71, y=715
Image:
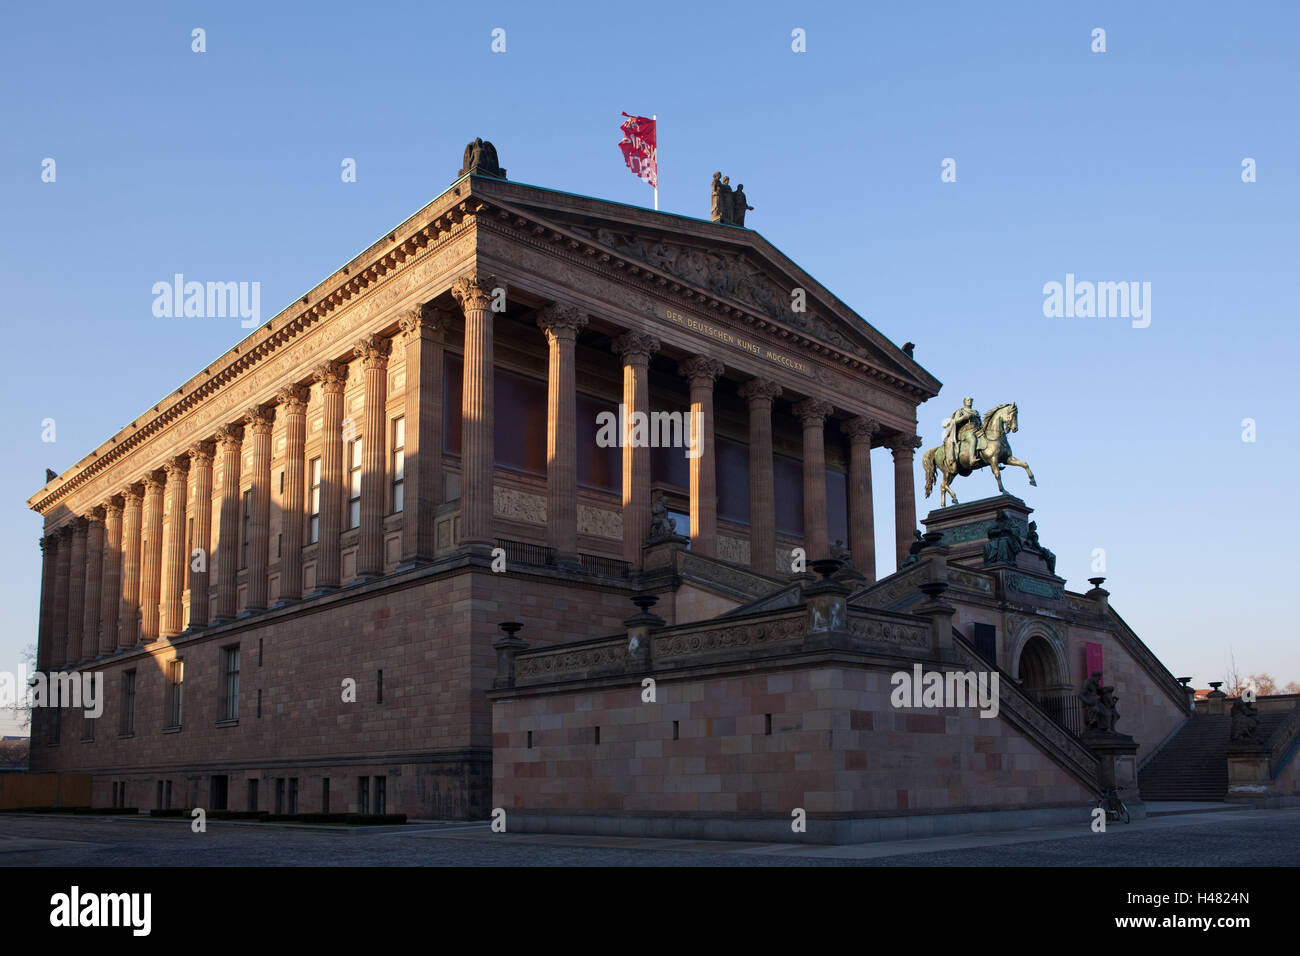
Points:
x=640, y=148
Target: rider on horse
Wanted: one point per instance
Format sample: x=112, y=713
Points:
x=957, y=427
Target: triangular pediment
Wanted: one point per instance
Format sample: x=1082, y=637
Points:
x=733, y=267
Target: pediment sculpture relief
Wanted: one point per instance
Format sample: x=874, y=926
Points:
x=725, y=274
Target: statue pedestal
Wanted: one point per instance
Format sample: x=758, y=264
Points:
x=965, y=527
x=658, y=553
x=1117, y=756
x=1250, y=777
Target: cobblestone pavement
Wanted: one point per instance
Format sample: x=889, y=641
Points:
x=1236, y=838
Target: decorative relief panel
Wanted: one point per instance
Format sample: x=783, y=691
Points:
x=518, y=505
x=600, y=522
x=735, y=550
x=753, y=636
x=559, y=665
x=889, y=632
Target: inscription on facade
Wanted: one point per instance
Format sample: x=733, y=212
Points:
x=736, y=341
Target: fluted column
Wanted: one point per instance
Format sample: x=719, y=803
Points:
x=94, y=581
x=332, y=377
x=174, y=556
x=110, y=600
x=128, y=621
x=904, y=448
x=373, y=350
x=258, y=422
x=293, y=402
x=762, y=494
x=561, y=323
x=49, y=559
x=77, y=590
x=635, y=348
x=231, y=440
x=478, y=443
x=862, y=527
x=422, y=331
x=151, y=541
x=702, y=372
x=812, y=413
x=62, y=587
x=201, y=497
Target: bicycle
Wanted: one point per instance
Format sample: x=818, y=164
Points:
x=1115, y=808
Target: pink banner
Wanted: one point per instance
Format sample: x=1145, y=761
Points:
x=640, y=148
x=1091, y=658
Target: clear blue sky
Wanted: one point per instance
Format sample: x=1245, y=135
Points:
x=1124, y=165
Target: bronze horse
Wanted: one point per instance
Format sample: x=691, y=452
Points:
x=991, y=448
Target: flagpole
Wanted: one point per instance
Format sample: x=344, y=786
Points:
x=655, y=117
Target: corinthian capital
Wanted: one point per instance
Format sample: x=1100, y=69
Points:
x=701, y=370
x=760, y=390
x=423, y=320
x=813, y=412
x=635, y=345
x=259, y=419
x=558, y=319
x=201, y=453
x=373, y=350
x=231, y=436
x=176, y=467
x=332, y=375
x=861, y=428
x=293, y=398
x=474, y=291
x=903, y=444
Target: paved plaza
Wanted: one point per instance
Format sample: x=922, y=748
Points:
x=1207, y=836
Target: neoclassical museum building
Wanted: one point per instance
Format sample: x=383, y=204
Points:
x=292, y=571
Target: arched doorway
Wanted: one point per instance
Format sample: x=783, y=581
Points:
x=1039, y=672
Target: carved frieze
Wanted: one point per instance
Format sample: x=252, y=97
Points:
x=752, y=636
x=876, y=631
x=600, y=522
x=518, y=505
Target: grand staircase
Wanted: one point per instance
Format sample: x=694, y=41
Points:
x=1194, y=764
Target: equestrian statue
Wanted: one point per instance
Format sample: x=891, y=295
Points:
x=971, y=442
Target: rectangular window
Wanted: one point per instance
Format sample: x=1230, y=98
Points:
x=325, y=795
x=379, y=688
x=115, y=803
x=159, y=800
x=247, y=532
x=399, y=463
x=167, y=795
x=279, y=795
x=363, y=794
x=56, y=731
x=293, y=794
x=175, y=691
x=87, y=727
x=230, y=682
x=127, y=725
x=259, y=702
x=252, y=794
x=354, y=483
x=381, y=794
x=313, y=524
